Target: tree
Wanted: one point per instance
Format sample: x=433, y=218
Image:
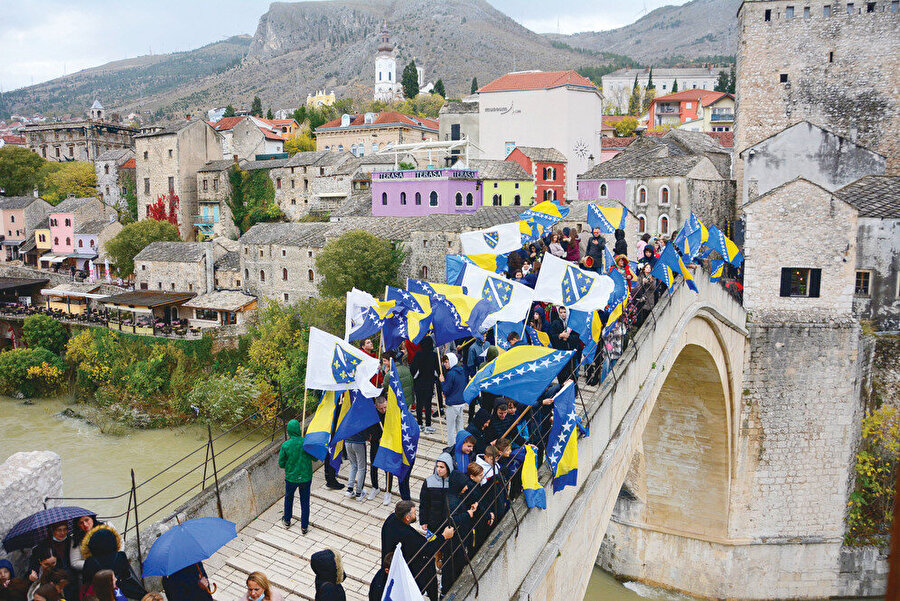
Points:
x=474, y=87
x=439, y=88
x=650, y=84
x=31, y=372
x=130, y=199
x=164, y=209
x=269, y=114
x=133, y=238
x=252, y=198
x=634, y=102
x=626, y=127
x=358, y=259
x=722, y=82
x=299, y=143
x=410, y=80
x=76, y=178
x=649, y=95
x=732, y=80
x=229, y=111
x=45, y=332
x=675, y=86
x=20, y=170
x=256, y=107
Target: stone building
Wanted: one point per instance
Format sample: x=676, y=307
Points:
x=19, y=217
x=79, y=140
x=371, y=132
x=830, y=64
x=115, y=171
x=168, y=160
x=213, y=191
x=278, y=260
x=459, y=121
x=175, y=266
x=228, y=271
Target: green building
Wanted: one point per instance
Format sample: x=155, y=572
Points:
x=505, y=183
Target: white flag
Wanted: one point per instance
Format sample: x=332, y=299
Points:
x=401, y=586
x=495, y=240
x=512, y=300
x=332, y=364
x=563, y=283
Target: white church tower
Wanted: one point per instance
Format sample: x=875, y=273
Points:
x=386, y=85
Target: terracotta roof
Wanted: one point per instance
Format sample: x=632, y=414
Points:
x=271, y=135
x=279, y=121
x=725, y=138
x=13, y=139
x=693, y=94
x=226, y=123
x=537, y=80
x=542, y=155
x=616, y=142
x=383, y=119
x=873, y=195
x=130, y=164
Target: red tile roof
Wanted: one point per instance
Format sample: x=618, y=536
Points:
x=384, y=119
x=537, y=80
x=14, y=139
x=616, y=142
x=725, y=138
x=129, y=164
x=279, y=121
x=694, y=94
x=226, y=123
x=271, y=135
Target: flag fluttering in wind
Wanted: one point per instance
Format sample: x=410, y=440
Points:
x=539, y=218
x=536, y=337
x=717, y=270
x=360, y=415
x=456, y=264
x=618, y=300
x=334, y=364
x=412, y=320
x=365, y=315
x=496, y=240
x=669, y=265
x=335, y=447
x=455, y=313
x=401, y=585
x=589, y=326
x=400, y=438
x=562, y=283
x=695, y=225
x=608, y=219
x=522, y=373
x=318, y=435
x=562, y=445
x=534, y=493
x=510, y=301
x=720, y=243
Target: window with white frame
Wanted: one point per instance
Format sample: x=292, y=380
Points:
x=642, y=224
x=604, y=190
x=642, y=195
x=664, y=224
x=664, y=195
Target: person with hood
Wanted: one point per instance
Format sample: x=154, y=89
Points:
x=624, y=267
x=418, y=551
x=329, y=570
x=188, y=584
x=453, y=382
x=433, y=496
x=648, y=256
x=531, y=277
x=595, y=247
x=424, y=369
x=461, y=450
x=101, y=551
x=7, y=573
x=480, y=429
x=621, y=246
x=297, y=466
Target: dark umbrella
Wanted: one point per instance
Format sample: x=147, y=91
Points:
x=35, y=529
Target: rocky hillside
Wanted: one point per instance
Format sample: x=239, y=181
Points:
x=671, y=34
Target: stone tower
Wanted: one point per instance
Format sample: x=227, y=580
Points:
x=385, y=68
x=97, y=111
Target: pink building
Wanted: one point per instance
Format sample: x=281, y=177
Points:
x=18, y=217
x=425, y=191
x=64, y=222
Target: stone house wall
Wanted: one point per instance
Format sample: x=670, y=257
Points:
x=168, y=276
x=218, y=190
x=273, y=260
x=878, y=252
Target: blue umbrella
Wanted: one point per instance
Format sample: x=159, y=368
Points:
x=187, y=544
x=35, y=529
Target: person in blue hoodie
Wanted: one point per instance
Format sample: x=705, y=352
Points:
x=453, y=382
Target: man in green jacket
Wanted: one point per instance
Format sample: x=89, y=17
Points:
x=297, y=465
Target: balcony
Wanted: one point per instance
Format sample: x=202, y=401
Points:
x=722, y=118
x=204, y=219
x=667, y=109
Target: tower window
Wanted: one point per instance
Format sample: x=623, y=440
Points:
x=862, y=283
x=788, y=12
x=870, y=7
x=826, y=10
x=799, y=281
x=768, y=15
x=831, y=57
x=783, y=78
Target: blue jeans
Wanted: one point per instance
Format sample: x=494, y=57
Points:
x=289, y=489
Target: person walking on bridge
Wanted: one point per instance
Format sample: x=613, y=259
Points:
x=297, y=466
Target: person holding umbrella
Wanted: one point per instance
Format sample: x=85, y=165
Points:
x=189, y=584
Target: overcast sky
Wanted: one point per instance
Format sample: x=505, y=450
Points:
x=44, y=39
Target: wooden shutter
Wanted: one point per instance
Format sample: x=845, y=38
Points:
x=815, y=280
x=786, y=281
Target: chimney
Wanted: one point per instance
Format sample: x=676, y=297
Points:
x=590, y=161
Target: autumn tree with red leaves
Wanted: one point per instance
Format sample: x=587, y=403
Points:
x=164, y=209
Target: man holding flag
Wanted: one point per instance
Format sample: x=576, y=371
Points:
x=413, y=548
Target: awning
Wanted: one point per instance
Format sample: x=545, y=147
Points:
x=11, y=242
x=52, y=258
x=332, y=194
x=82, y=255
x=71, y=294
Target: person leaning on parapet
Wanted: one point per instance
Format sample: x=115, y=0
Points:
x=297, y=466
x=418, y=551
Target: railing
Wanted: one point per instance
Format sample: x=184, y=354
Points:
x=204, y=219
x=722, y=117
x=666, y=110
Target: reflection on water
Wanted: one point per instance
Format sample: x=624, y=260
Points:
x=98, y=465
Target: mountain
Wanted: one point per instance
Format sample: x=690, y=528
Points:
x=303, y=46
x=667, y=35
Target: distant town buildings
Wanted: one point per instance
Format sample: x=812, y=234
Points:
x=617, y=85
x=320, y=98
x=115, y=171
x=19, y=216
x=460, y=121
x=387, y=88
x=694, y=110
x=81, y=140
x=370, y=132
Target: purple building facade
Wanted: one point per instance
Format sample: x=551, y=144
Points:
x=601, y=189
x=425, y=192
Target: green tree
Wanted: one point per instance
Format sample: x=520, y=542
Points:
x=732, y=80
x=31, y=372
x=474, y=87
x=358, y=259
x=133, y=238
x=650, y=84
x=300, y=143
x=626, y=127
x=634, y=102
x=44, y=331
x=252, y=198
x=649, y=95
x=76, y=178
x=130, y=200
x=722, y=82
x=439, y=88
x=226, y=400
x=675, y=86
x=229, y=111
x=256, y=107
x=269, y=114
x=410, y=80
x=20, y=170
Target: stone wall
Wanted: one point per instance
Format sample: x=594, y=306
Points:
x=837, y=71
x=171, y=275
x=26, y=479
x=276, y=262
x=878, y=252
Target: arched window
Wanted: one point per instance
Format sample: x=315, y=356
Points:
x=664, y=195
x=642, y=224
x=56, y=240
x=469, y=200
x=92, y=243
x=424, y=272
x=663, y=224
x=551, y=174
x=262, y=275
x=642, y=196
x=68, y=242
x=310, y=275
x=495, y=200
x=544, y=173
x=284, y=274
x=603, y=190
x=246, y=274
x=517, y=200
x=340, y=148
x=106, y=169
x=384, y=198
x=403, y=198
x=81, y=244
x=433, y=199
x=68, y=222
x=418, y=198
x=549, y=194
x=459, y=199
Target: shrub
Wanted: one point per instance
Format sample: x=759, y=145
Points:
x=44, y=331
x=226, y=400
x=31, y=372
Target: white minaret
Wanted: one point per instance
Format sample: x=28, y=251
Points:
x=385, y=69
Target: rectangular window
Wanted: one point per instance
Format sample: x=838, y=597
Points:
x=171, y=185
x=278, y=183
x=826, y=10
x=862, y=283
x=206, y=314
x=454, y=131
x=870, y=7
x=170, y=153
x=806, y=12
x=849, y=8
x=768, y=15
x=831, y=57
x=783, y=78
x=800, y=282
x=205, y=185
x=788, y=12
x=895, y=6
x=215, y=184
x=146, y=185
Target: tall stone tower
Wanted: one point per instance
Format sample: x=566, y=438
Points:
x=96, y=111
x=385, y=69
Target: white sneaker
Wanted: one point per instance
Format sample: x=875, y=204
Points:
x=349, y=492
x=361, y=496
x=372, y=494
x=387, y=499
x=429, y=430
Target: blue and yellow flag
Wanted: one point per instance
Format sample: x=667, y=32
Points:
x=414, y=316
x=562, y=445
x=318, y=435
x=365, y=315
x=618, y=300
x=336, y=446
x=522, y=373
x=608, y=219
x=695, y=225
x=540, y=218
x=456, y=265
x=455, y=313
x=360, y=415
x=720, y=243
x=536, y=337
x=400, y=438
x=668, y=265
x=535, y=495
x=717, y=270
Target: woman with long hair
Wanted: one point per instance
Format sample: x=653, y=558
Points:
x=260, y=589
x=47, y=592
x=104, y=585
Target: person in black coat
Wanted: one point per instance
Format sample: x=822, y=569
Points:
x=424, y=369
x=100, y=549
x=564, y=338
x=329, y=571
x=433, y=496
x=596, y=244
x=621, y=246
x=187, y=584
x=418, y=551
x=376, y=588
x=480, y=428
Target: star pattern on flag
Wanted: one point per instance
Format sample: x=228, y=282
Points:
x=575, y=285
x=492, y=239
x=497, y=291
x=559, y=444
x=408, y=427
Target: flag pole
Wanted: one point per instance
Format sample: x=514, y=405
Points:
x=441, y=368
x=518, y=419
x=303, y=425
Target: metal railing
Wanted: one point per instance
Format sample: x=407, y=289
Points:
x=722, y=117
